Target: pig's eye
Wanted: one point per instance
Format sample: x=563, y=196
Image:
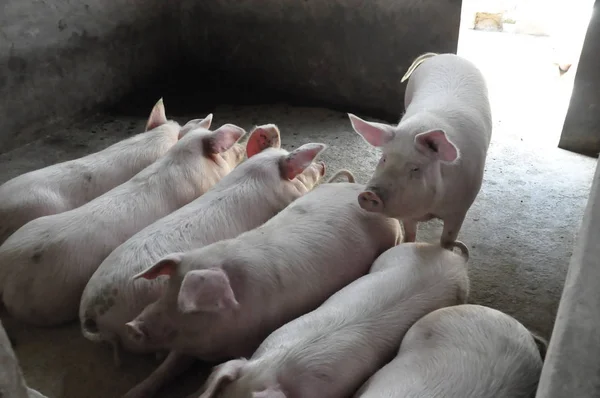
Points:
x=382, y=160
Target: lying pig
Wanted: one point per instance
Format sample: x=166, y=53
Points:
x=12, y=383
x=45, y=265
x=224, y=299
x=331, y=351
x=432, y=162
x=250, y=195
x=67, y=185
x=465, y=351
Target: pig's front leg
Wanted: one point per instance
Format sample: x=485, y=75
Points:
x=410, y=230
x=174, y=365
x=452, y=226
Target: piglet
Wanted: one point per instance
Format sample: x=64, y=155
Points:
x=224, y=299
x=67, y=185
x=331, y=351
x=465, y=351
x=251, y=194
x=432, y=162
x=45, y=265
x=12, y=383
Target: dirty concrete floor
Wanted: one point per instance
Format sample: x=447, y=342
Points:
x=520, y=231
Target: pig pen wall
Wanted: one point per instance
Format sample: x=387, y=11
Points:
x=60, y=58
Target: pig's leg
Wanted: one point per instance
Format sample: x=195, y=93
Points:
x=410, y=230
x=452, y=226
x=173, y=366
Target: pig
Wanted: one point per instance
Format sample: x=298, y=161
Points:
x=464, y=351
x=45, y=264
x=331, y=351
x=432, y=162
x=223, y=299
x=250, y=195
x=12, y=382
x=68, y=185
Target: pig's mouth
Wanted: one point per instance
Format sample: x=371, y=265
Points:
x=371, y=201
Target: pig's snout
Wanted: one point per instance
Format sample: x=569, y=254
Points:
x=321, y=166
x=370, y=201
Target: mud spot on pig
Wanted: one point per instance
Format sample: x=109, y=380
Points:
x=37, y=257
x=87, y=176
x=299, y=210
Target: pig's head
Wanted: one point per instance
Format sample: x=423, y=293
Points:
x=190, y=293
x=240, y=378
x=408, y=178
x=218, y=149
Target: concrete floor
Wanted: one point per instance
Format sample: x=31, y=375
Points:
x=520, y=230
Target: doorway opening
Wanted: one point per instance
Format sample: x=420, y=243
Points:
x=528, y=51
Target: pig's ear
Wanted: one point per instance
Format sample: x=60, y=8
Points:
x=271, y=392
x=196, y=123
x=206, y=290
x=263, y=137
x=435, y=143
x=223, y=138
x=157, y=117
x=165, y=266
x=376, y=134
x=222, y=375
x=299, y=159
x=136, y=331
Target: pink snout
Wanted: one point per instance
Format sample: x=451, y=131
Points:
x=370, y=201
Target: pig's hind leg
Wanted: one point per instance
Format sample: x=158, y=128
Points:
x=174, y=365
x=410, y=231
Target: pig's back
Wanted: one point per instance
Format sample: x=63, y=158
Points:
x=451, y=87
x=358, y=328
x=466, y=351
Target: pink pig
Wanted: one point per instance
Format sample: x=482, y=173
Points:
x=67, y=185
x=432, y=162
x=45, y=264
x=331, y=351
x=464, y=351
x=251, y=194
x=225, y=298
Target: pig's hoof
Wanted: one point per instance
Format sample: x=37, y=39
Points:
x=369, y=201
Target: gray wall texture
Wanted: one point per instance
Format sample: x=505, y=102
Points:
x=581, y=130
x=59, y=58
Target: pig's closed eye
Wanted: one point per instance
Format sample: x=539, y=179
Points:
x=414, y=169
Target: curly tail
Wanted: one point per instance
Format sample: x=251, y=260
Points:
x=463, y=248
x=418, y=61
x=347, y=173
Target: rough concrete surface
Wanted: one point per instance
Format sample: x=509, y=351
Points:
x=520, y=230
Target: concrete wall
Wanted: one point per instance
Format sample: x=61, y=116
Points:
x=581, y=130
x=59, y=58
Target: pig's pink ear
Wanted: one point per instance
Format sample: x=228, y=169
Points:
x=207, y=290
x=263, y=137
x=376, y=134
x=157, y=117
x=221, y=375
x=299, y=159
x=223, y=138
x=271, y=392
x=196, y=123
x=436, y=144
x=165, y=266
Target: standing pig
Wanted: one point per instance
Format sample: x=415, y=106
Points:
x=12, y=383
x=45, y=265
x=432, y=162
x=465, y=351
x=224, y=299
x=251, y=194
x=67, y=185
x=331, y=351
